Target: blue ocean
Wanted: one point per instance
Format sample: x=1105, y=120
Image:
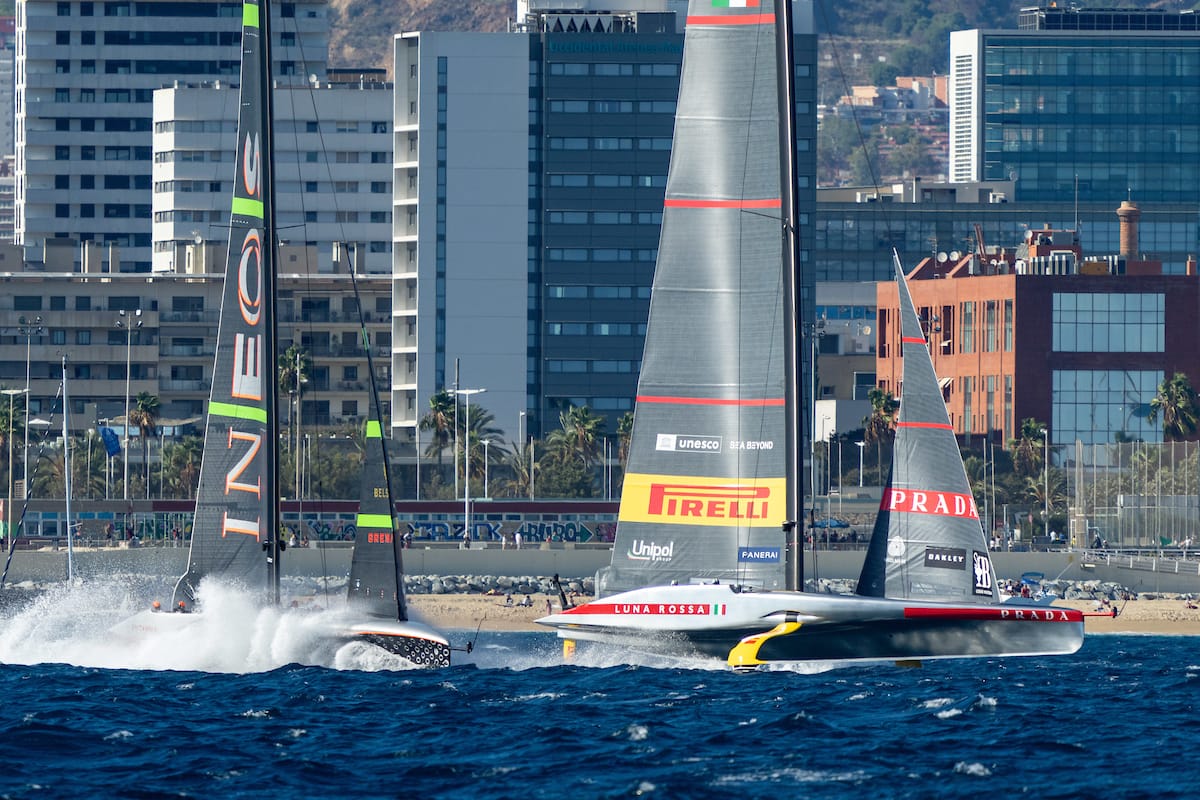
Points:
x=267, y=713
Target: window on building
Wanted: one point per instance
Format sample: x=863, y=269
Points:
x=83, y=336
x=87, y=37
x=1108, y=323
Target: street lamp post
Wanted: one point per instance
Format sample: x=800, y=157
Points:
x=485, y=444
x=129, y=323
x=27, y=328
x=466, y=393
x=1046, y=471
x=12, y=393
x=861, y=445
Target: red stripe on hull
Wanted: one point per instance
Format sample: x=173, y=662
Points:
x=1015, y=613
x=708, y=401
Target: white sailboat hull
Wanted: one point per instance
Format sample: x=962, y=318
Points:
x=749, y=628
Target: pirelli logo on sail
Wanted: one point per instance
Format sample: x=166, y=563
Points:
x=691, y=500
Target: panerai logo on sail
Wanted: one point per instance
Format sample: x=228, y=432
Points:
x=641, y=550
x=678, y=442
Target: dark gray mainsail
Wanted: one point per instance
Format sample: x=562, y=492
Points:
x=704, y=492
x=928, y=543
x=375, y=568
x=237, y=515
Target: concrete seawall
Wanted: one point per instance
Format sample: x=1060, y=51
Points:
x=40, y=566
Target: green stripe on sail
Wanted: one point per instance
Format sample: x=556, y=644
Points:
x=374, y=431
x=238, y=412
x=374, y=521
x=246, y=207
x=249, y=15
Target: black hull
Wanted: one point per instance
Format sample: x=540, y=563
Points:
x=900, y=640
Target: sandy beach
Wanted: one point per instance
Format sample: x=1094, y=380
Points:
x=467, y=611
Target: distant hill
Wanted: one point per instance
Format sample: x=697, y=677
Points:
x=363, y=30
x=913, y=35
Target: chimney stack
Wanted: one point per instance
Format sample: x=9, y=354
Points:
x=1128, y=213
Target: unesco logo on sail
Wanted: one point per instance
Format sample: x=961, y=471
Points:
x=686, y=443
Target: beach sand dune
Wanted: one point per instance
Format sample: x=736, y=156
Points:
x=467, y=611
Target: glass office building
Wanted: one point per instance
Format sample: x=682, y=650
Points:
x=1072, y=111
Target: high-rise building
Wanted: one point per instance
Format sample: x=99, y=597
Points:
x=333, y=188
x=1090, y=105
x=85, y=77
x=530, y=174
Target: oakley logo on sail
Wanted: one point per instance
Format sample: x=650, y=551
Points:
x=721, y=502
x=942, y=504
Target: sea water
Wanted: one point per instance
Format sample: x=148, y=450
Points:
x=266, y=710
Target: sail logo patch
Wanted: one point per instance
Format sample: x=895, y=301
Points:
x=695, y=500
x=946, y=557
x=981, y=567
x=768, y=555
x=665, y=609
x=940, y=504
x=683, y=443
x=641, y=550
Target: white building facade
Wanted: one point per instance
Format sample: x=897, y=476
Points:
x=333, y=155
x=85, y=76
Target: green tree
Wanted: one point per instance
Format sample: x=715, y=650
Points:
x=519, y=471
x=879, y=428
x=441, y=419
x=624, y=436
x=578, y=437
x=1028, y=449
x=294, y=369
x=1176, y=403
x=183, y=467
x=481, y=424
x=144, y=416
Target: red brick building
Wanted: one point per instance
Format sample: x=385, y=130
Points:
x=1042, y=331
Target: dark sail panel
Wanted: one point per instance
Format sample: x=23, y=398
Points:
x=375, y=586
x=703, y=496
x=236, y=497
x=934, y=548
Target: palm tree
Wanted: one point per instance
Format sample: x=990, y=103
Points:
x=480, y=427
x=579, y=435
x=1027, y=450
x=15, y=424
x=519, y=469
x=880, y=426
x=145, y=417
x=294, y=369
x=1176, y=401
x=183, y=467
x=441, y=419
x=624, y=435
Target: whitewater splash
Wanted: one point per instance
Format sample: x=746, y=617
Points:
x=106, y=625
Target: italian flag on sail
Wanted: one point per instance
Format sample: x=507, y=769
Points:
x=735, y=3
